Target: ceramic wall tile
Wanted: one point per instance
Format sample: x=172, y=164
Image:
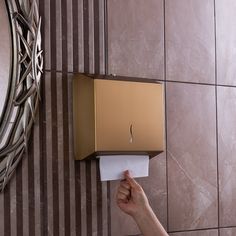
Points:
x=227, y=165
x=135, y=45
x=191, y=150
x=226, y=41
x=228, y=232
x=190, y=41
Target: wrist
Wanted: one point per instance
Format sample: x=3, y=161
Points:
x=149, y=224
x=143, y=213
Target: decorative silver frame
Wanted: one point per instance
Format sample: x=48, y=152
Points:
x=24, y=86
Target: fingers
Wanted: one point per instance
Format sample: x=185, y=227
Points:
x=124, y=190
x=130, y=180
x=121, y=197
x=125, y=184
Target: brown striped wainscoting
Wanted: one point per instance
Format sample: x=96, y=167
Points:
x=51, y=194
x=74, y=35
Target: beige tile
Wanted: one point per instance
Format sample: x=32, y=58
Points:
x=135, y=45
x=228, y=232
x=226, y=40
x=227, y=148
x=155, y=187
x=213, y=232
x=190, y=40
x=191, y=150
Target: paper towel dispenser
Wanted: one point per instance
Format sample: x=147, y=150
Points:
x=114, y=116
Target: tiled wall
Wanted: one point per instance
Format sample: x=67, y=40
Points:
x=187, y=44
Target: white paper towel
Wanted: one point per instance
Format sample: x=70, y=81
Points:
x=113, y=167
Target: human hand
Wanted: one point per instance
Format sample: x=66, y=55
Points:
x=131, y=198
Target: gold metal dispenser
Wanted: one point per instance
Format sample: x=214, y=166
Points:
x=117, y=117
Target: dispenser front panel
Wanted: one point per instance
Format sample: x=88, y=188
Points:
x=129, y=116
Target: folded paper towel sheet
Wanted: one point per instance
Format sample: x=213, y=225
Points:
x=113, y=167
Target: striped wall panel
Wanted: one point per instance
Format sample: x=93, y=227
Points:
x=74, y=35
x=51, y=194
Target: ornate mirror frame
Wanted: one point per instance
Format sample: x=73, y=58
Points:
x=23, y=94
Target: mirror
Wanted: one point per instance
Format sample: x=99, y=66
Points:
x=21, y=67
x=5, y=54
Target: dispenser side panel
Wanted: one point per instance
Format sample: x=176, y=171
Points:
x=83, y=116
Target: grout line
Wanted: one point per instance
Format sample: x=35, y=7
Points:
x=65, y=200
x=89, y=197
x=227, y=86
x=215, y=43
x=96, y=37
x=75, y=37
x=43, y=212
x=86, y=38
x=167, y=192
x=186, y=82
x=53, y=189
x=203, y=229
x=109, y=207
x=217, y=160
x=106, y=73
x=217, y=142
x=227, y=227
x=154, y=80
x=97, y=69
x=106, y=35
x=194, y=230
